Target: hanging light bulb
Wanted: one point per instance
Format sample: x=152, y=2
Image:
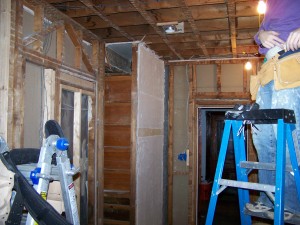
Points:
x=261, y=7
x=248, y=65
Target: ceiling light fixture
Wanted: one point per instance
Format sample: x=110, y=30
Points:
x=261, y=7
x=172, y=27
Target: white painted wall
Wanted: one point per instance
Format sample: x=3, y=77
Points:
x=149, y=155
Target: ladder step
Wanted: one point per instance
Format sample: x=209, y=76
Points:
x=262, y=166
x=295, y=219
x=247, y=185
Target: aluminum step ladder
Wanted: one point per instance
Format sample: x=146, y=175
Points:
x=39, y=175
x=235, y=122
x=62, y=172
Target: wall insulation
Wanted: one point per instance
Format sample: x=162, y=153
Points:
x=150, y=138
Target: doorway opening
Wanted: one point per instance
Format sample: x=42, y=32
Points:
x=210, y=131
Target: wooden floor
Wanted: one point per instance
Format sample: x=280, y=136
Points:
x=227, y=210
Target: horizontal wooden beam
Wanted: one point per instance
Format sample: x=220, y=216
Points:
x=222, y=95
x=46, y=61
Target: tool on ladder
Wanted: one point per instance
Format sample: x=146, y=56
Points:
x=40, y=174
x=235, y=121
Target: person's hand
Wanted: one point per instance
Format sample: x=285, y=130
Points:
x=293, y=41
x=270, y=39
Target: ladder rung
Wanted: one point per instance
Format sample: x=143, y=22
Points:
x=261, y=166
x=294, y=220
x=247, y=185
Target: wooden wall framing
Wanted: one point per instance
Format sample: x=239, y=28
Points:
x=17, y=50
x=198, y=100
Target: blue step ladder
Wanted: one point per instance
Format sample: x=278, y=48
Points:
x=235, y=122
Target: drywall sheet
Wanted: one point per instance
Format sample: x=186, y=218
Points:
x=232, y=77
x=206, y=78
x=150, y=138
x=180, y=144
x=33, y=98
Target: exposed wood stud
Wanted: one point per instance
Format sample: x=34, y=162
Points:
x=192, y=152
x=77, y=142
x=49, y=107
x=38, y=23
x=99, y=173
x=134, y=108
x=245, y=78
x=60, y=38
x=219, y=85
x=78, y=51
x=5, y=18
x=17, y=71
x=170, y=147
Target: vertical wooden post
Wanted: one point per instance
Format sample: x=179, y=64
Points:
x=17, y=69
x=78, y=53
x=38, y=22
x=219, y=86
x=49, y=96
x=245, y=79
x=134, y=105
x=60, y=43
x=192, y=151
x=5, y=18
x=170, y=148
x=92, y=147
x=99, y=173
x=77, y=142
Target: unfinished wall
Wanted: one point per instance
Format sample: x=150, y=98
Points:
x=150, y=138
x=232, y=77
x=200, y=84
x=180, y=144
x=33, y=115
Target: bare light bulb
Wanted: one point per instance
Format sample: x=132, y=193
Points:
x=261, y=7
x=248, y=66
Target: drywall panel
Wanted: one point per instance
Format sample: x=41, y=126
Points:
x=150, y=138
x=180, y=143
x=232, y=77
x=33, y=115
x=206, y=78
x=180, y=199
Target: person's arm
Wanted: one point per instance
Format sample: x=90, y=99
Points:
x=269, y=39
x=293, y=41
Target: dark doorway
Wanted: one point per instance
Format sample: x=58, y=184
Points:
x=211, y=125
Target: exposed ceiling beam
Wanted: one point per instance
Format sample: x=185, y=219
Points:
x=53, y=14
x=97, y=12
x=150, y=19
x=232, y=25
x=188, y=15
